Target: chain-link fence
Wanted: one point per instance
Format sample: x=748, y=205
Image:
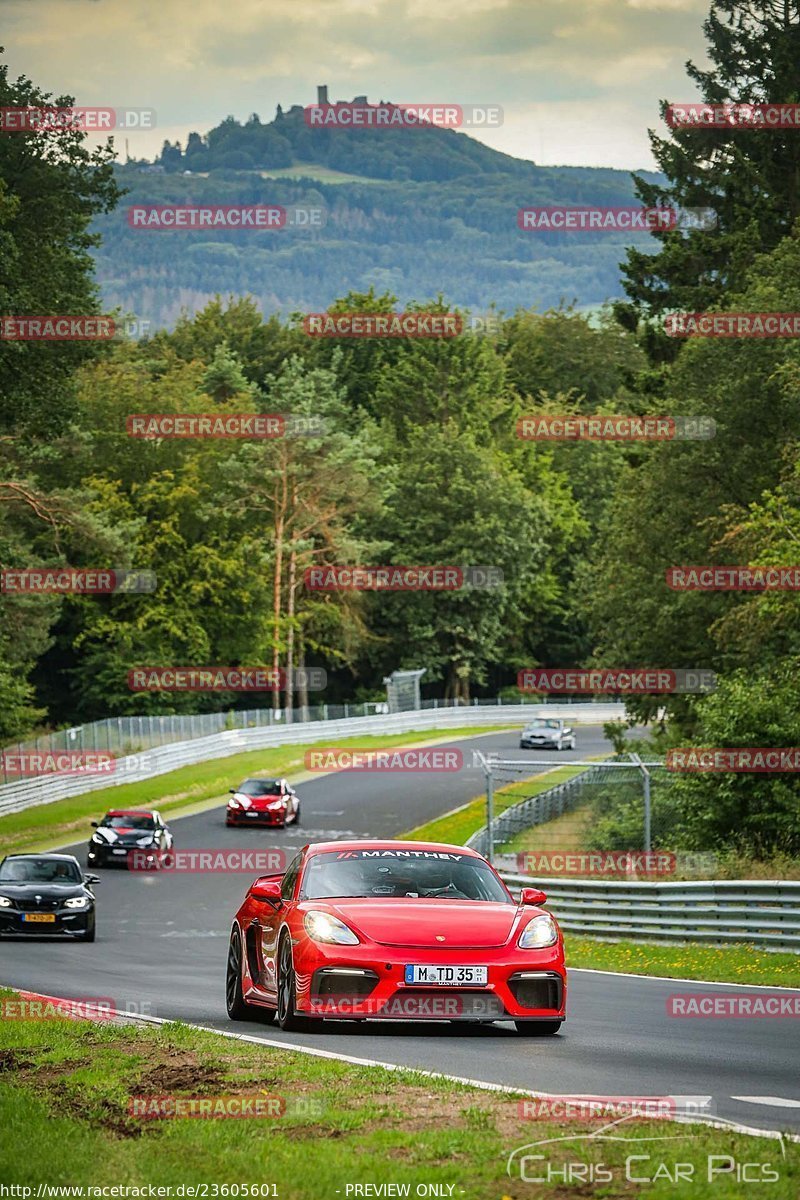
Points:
x=612, y=819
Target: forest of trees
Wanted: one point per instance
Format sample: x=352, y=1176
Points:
x=419, y=462
x=397, y=225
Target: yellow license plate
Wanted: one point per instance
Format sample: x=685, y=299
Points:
x=40, y=918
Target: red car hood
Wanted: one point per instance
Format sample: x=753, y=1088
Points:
x=464, y=924
x=259, y=803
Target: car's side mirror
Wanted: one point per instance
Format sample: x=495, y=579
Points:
x=232, y=791
x=532, y=896
x=95, y=824
x=91, y=879
x=267, y=890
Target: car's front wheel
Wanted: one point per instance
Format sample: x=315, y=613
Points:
x=537, y=1028
x=89, y=935
x=287, y=992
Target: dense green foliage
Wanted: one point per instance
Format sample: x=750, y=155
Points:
x=419, y=461
x=408, y=231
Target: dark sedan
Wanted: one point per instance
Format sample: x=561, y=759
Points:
x=46, y=894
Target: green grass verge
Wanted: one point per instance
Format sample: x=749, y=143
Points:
x=459, y=824
x=66, y=1086
x=189, y=789
x=725, y=964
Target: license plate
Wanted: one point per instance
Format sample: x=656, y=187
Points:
x=447, y=976
x=119, y=851
x=40, y=918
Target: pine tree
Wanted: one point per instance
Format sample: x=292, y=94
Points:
x=750, y=178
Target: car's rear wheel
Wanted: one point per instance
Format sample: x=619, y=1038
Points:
x=537, y=1028
x=287, y=992
x=237, y=1006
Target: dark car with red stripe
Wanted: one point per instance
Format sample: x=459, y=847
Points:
x=124, y=832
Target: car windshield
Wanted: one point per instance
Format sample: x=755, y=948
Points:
x=39, y=870
x=261, y=787
x=126, y=821
x=390, y=874
x=545, y=724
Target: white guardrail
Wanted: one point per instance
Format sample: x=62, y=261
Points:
x=132, y=768
x=760, y=913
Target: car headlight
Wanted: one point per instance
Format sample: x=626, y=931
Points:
x=146, y=841
x=322, y=927
x=274, y=805
x=5, y=902
x=233, y=803
x=77, y=902
x=538, y=933
x=99, y=841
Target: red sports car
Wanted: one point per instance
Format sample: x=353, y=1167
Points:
x=263, y=802
x=394, y=930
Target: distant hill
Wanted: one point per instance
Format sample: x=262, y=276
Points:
x=416, y=212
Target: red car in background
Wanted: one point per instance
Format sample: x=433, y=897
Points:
x=263, y=802
x=398, y=930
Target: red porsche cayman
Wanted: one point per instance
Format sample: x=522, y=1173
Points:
x=394, y=930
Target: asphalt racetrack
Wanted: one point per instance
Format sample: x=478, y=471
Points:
x=162, y=942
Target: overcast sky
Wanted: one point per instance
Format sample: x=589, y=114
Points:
x=579, y=80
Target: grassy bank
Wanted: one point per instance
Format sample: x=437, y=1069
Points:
x=66, y=1088
x=725, y=964
x=187, y=790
